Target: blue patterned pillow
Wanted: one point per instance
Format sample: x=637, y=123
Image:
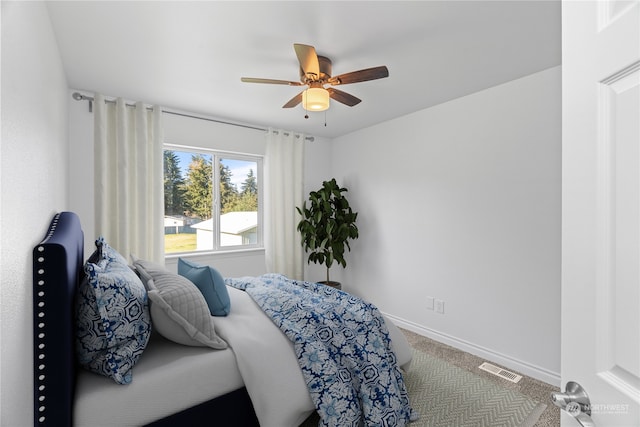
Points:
x=210, y=283
x=106, y=252
x=112, y=315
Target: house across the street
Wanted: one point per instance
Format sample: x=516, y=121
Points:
x=236, y=228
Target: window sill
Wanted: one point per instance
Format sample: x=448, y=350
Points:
x=220, y=253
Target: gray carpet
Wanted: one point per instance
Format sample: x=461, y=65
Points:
x=535, y=389
x=445, y=395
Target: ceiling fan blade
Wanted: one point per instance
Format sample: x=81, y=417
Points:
x=308, y=60
x=343, y=97
x=294, y=101
x=360, y=76
x=270, y=81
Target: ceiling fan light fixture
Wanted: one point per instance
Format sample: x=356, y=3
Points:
x=315, y=99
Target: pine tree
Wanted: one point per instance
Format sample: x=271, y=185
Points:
x=245, y=202
x=250, y=184
x=173, y=185
x=247, y=199
x=198, y=197
x=228, y=191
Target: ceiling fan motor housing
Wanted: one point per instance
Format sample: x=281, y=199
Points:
x=324, y=64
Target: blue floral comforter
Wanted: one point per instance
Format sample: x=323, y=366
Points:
x=343, y=349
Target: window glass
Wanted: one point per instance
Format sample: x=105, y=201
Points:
x=238, y=202
x=205, y=211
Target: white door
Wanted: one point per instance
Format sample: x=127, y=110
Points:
x=601, y=207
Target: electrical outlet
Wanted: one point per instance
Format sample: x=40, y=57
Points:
x=439, y=306
x=430, y=303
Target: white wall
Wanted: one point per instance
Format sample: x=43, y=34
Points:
x=318, y=168
x=462, y=202
x=34, y=160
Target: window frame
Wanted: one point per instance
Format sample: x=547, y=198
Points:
x=216, y=156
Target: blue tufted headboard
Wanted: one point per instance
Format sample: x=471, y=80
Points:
x=57, y=269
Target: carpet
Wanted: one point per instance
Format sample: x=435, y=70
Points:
x=447, y=396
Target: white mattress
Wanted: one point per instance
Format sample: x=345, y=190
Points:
x=167, y=379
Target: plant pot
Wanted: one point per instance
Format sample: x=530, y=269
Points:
x=331, y=283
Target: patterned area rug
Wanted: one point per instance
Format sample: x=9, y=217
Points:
x=447, y=396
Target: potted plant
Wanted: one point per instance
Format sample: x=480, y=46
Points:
x=327, y=225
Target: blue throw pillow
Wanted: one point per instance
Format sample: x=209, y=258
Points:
x=112, y=315
x=210, y=283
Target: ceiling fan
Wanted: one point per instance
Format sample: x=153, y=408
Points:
x=315, y=72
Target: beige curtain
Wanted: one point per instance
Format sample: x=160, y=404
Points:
x=129, y=200
x=284, y=177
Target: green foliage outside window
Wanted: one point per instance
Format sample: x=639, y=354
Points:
x=191, y=195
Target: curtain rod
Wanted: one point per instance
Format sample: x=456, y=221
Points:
x=80, y=97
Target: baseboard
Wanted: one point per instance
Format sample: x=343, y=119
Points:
x=523, y=367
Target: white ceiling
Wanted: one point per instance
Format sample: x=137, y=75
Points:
x=189, y=56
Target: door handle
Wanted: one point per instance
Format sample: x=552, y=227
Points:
x=575, y=402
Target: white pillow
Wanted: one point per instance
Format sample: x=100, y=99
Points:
x=179, y=311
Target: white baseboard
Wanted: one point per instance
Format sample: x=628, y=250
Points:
x=520, y=366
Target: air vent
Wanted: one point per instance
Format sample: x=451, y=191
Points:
x=502, y=373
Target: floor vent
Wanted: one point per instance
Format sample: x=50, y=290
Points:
x=502, y=373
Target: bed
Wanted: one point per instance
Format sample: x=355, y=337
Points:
x=256, y=377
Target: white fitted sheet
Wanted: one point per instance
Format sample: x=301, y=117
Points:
x=168, y=378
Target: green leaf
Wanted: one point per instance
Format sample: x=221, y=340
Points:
x=327, y=225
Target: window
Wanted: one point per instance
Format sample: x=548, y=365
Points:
x=212, y=200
